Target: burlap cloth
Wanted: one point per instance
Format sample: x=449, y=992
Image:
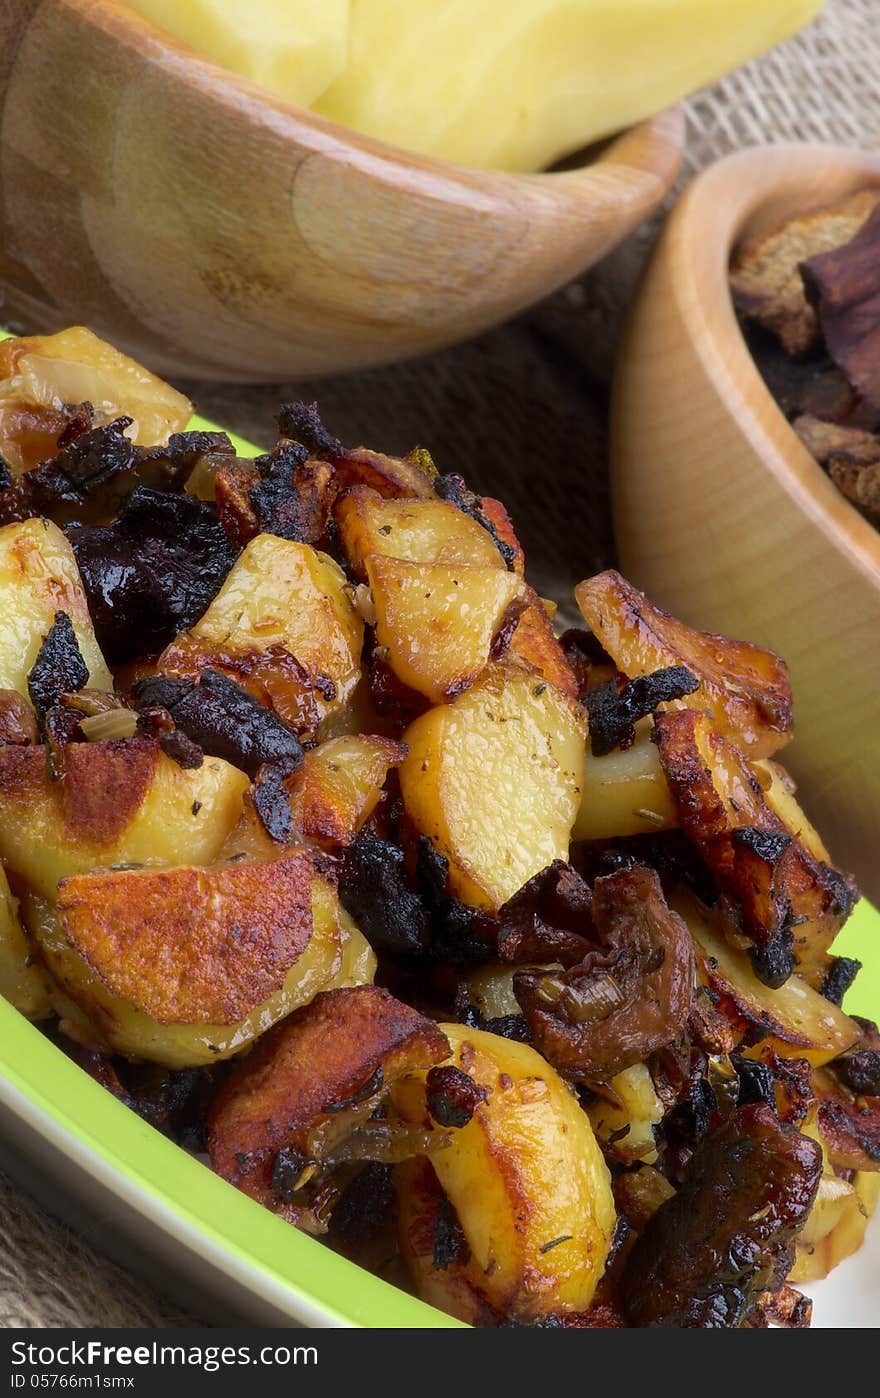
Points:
x=520, y=412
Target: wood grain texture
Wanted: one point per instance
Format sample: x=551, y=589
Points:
x=721, y=514
x=214, y=231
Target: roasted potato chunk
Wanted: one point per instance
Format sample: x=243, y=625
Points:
x=335, y=956
x=47, y=372
x=414, y=531
x=190, y=945
x=625, y=1114
x=790, y=905
x=311, y=1078
x=745, y=689
x=625, y=792
x=534, y=642
x=23, y=982
x=794, y=1019
x=525, y=1178
x=437, y=621
x=836, y=1225
x=38, y=578
x=119, y=802
x=284, y=627
x=494, y=780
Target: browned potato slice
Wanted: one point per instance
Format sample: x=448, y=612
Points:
x=39, y=577
x=393, y=477
x=791, y=905
x=494, y=780
x=333, y=793
x=22, y=983
x=74, y=366
x=795, y=1020
x=534, y=642
x=337, y=955
x=525, y=1177
x=283, y=625
x=189, y=945
x=344, y=1051
x=779, y=793
x=437, y=621
x=117, y=803
x=416, y=531
x=836, y=1226
x=625, y=791
x=745, y=689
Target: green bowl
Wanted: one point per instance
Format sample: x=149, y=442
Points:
x=153, y=1206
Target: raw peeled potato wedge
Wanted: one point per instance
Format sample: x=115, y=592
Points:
x=482, y=82
x=525, y=1173
x=494, y=780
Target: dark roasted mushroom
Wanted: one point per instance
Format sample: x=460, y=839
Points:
x=628, y=997
x=728, y=1235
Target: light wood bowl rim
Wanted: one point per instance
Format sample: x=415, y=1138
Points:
x=701, y=237
x=661, y=132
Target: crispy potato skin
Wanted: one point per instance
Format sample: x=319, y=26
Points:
x=794, y=1020
x=535, y=643
x=746, y=689
x=337, y=955
x=788, y=900
x=39, y=577
x=322, y=1056
x=117, y=802
x=494, y=780
x=189, y=945
x=524, y=1172
x=283, y=626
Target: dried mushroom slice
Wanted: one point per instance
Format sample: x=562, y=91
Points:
x=309, y=1084
x=765, y=273
x=827, y=441
x=843, y=286
x=744, y=687
x=787, y=904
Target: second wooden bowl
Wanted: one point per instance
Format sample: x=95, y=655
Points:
x=212, y=230
x=721, y=514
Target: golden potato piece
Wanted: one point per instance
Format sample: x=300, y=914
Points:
x=119, y=802
x=336, y=956
x=343, y=1051
x=525, y=1177
x=779, y=793
x=437, y=621
x=22, y=981
x=836, y=1226
x=790, y=904
x=494, y=780
x=745, y=689
x=415, y=531
x=74, y=367
x=795, y=1020
x=625, y=791
x=189, y=945
x=39, y=577
x=282, y=625
x=624, y=1117
x=534, y=642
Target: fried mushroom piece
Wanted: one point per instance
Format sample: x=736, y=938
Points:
x=152, y=572
x=788, y=905
x=848, y=1120
x=310, y=1081
x=550, y=919
x=728, y=1235
x=745, y=688
x=841, y=285
x=629, y=997
x=17, y=721
x=191, y=945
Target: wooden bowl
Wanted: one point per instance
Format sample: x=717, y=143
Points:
x=214, y=231
x=722, y=515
